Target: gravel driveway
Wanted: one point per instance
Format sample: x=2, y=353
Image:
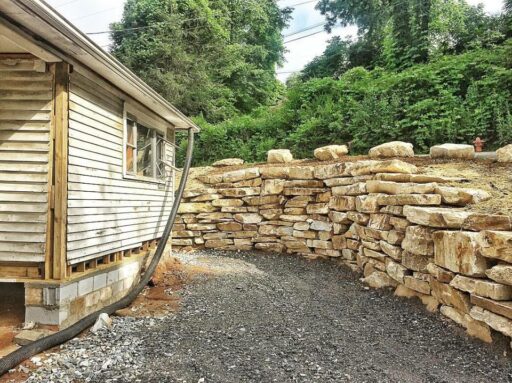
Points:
x=276, y=318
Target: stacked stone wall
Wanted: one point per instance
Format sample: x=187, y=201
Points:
x=398, y=228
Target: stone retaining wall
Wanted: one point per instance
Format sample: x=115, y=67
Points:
x=398, y=228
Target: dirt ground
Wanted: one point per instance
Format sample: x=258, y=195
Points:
x=252, y=317
x=488, y=175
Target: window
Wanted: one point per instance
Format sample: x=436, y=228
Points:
x=144, y=151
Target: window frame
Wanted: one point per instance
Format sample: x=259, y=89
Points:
x=130, y=113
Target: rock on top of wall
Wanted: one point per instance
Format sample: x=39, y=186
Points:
x=457, y=151
x=392, y=149
x=276, y=156
x=504, y=154
x=330, y=152
x=228, y=162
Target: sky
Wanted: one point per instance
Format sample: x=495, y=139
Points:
x=96, y=15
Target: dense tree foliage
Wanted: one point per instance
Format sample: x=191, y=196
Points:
x=214, y=58
x=453, y=99
x=401, y=33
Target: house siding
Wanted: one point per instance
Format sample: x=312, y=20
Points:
x=106, y=211
x=26, y=93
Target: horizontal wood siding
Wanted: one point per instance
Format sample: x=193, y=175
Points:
x=106, y=211
x=25, y=117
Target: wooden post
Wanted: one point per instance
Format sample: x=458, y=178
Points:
x=61, y=125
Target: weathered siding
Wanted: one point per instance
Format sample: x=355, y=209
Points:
x=106, y=212
x=25, y=116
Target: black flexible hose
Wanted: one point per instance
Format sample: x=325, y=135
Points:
x=13, y=359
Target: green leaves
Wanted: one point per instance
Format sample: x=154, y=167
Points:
x=211, y=58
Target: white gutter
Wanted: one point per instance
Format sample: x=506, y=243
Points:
x=53, y=32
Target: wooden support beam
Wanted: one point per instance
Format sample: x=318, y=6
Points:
x=61, y=126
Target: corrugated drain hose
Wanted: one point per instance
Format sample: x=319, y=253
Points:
x=13, y=359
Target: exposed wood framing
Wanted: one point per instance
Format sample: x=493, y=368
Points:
x=61, y=125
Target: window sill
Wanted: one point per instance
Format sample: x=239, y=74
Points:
x=145, y=179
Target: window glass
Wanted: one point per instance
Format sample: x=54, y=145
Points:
x=130, y=146
x=144, y=151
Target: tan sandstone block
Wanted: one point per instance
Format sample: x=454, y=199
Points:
x=460, y=196
x=483, y=288
x=456, y=219
x=410, y=199
x=458, y=151
x=417, y=285
x=496, y=322
x=264, y=200
x=392, y=149
x=439, y=273
x=379, y=280
x=323, y=172
x=301, y=172
x=458, y=251
x=272, y=186
x=501, y=273
x=392, y=251
x=380, y=222
x=418, y=240
x=387, y=187
x=239, y=192
x=196, y=207
x=353, y=190
x=450, y=296
x=368, y=203
x=279, y=156
x=415, y=262
x=496, y=244
x=339, y=203
x=248, y=218
x=240, y=175
x=396, y=271
x=282, y=172
x=330, y=152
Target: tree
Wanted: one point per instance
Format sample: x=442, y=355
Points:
x=333, y=62
x=215, y=58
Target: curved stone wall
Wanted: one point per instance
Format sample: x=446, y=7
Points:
x=398, y=228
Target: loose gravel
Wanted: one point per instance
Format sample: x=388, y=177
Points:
x=291, y=321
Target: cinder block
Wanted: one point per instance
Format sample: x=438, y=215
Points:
x=85, y=286
x=100, y=281
x=112, y=276
x=117, y=288
x=68, y=292
x=92, y=299
x=128, y=270
x=42, y=315
x=33, y=296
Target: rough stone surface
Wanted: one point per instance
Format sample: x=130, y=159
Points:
x=461, y=196
x=392, y=149
x=458, y=151
x=497, y=322
x=481, y=287
x=228, y=162
x=330, y=152
x=504, y=154
x=279, y=156
x=458, y=251
x=418, y=240
x=501, y=274
x=496, y=244
x=241, y=175
x=387, y=187
x=379, y=280
x=450, y=296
